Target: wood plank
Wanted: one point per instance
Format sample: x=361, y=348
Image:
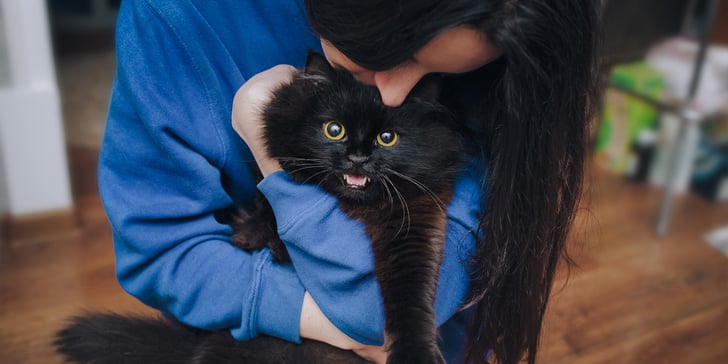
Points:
x=641, y=298
x=634, y=298
x=42, y=227
x=4, y=231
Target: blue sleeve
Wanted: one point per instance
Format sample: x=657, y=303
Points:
x=167, y=142
x=333, y=256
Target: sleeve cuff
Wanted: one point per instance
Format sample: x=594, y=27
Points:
x=277, y=298
x=283, y=193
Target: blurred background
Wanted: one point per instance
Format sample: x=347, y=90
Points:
x=650, y=244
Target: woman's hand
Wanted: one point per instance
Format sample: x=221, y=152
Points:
x=315, y=326
x=374, y=354
x=248, y=104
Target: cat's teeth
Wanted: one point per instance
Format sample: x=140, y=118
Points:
x=357, y=181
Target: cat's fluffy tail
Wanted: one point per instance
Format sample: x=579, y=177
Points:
x=107, y=338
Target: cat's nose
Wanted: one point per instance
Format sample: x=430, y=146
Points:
x=358, y=159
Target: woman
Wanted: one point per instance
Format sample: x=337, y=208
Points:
x=520, y=77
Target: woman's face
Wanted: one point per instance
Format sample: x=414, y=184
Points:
x=457, y=50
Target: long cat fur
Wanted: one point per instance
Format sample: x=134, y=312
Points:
x=403, y=211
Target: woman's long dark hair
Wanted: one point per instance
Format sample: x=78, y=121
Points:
x=537, y=102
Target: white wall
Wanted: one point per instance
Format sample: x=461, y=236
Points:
x=4, y=54
x=4, y=82
x=32, y=148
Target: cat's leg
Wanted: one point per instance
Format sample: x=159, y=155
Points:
x=407, y=263
x=256, y=229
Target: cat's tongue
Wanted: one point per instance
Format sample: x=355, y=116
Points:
x=355, y=180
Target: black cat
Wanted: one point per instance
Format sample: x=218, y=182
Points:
x=391, y=168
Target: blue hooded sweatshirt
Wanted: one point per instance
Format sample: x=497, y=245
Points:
x=170, y=160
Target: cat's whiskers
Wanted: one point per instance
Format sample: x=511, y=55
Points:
x=436, y=199
x=304, y=167
x=387, y=190
x=324, y=171
x=406, y=217
x=303, y=164
x=301, y=160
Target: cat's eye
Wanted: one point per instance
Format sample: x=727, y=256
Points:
x=387, y=138
x=334, y=130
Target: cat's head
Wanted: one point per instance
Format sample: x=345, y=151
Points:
x=328, y=129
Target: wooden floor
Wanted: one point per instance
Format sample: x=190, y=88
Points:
x=635, y=298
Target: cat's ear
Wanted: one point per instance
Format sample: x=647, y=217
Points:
x=428, y=88
x=316, y=64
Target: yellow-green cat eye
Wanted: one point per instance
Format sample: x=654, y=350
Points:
x=334, y=130
x=387, y=138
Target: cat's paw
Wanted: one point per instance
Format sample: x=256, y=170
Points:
x=421, y=356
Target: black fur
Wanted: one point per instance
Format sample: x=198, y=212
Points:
x=402, y=206
x=107, y=338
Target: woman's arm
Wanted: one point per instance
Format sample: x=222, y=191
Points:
x=316, y=326
x=331, y=252
x=333, y=257
x=166, y=166
x=250, y=99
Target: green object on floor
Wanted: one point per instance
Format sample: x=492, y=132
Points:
x=625, y=116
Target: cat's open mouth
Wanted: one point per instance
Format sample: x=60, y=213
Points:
x=355, y=181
